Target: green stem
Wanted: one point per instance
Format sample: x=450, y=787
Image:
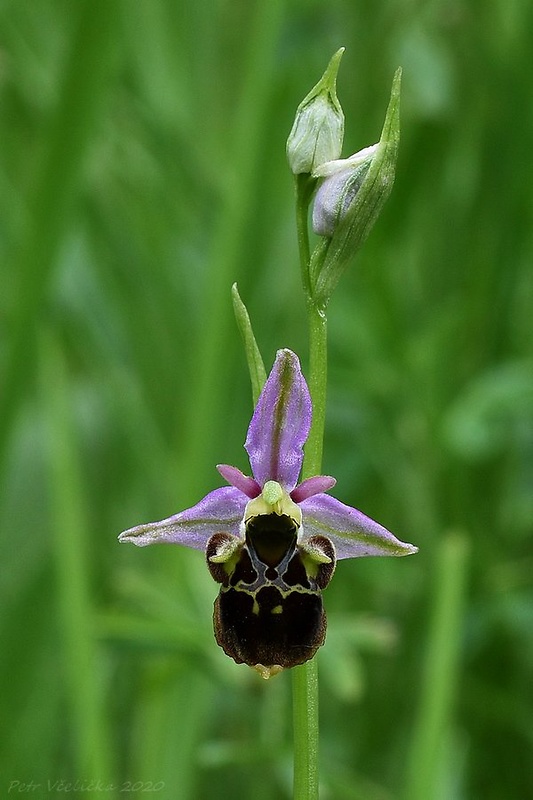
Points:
x=305, y=677
x=304, y=190
x=305, y=722
x=318, y=373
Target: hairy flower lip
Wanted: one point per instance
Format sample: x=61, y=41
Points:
x=278, y=430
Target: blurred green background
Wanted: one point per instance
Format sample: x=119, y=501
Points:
x=142, y=172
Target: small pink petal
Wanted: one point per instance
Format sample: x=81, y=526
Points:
x=235, y=477
x=311, y=486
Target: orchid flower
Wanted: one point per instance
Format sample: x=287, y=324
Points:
x=271, y=542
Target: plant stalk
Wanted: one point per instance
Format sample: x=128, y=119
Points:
x=305, y=677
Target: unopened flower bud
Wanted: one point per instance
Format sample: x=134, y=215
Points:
x=343, y=179
x=318, y=129
x=350, y=199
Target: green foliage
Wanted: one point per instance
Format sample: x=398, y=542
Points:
x=143, y=172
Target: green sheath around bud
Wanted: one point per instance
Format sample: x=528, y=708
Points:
x=349, y=201
x=318, y=129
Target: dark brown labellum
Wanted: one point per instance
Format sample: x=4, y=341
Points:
x=269, y=611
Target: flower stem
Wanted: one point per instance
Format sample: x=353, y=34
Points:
x=318, y=371
x=305, y=722
x=305, y=677
x=304, y=191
